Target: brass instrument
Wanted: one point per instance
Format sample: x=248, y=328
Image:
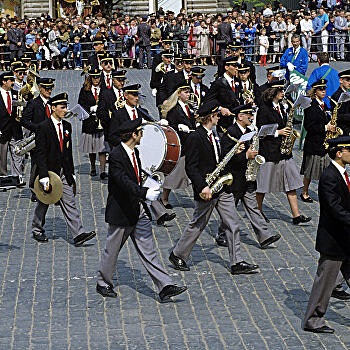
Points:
x=253, y=165
x=120, y=103
x=338, y=131
x=156, y=176
x=24, y=146
x=161, y=67
x=85, y=70
x=31, y=87
x=288, y=141
x=194, y=101
x=20, y=104
x=214, y=181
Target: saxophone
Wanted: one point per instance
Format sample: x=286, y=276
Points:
x=213, y=180
x=338, y=131
x=253, y=165
x=288, y=141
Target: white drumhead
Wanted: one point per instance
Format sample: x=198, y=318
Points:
x=152, y=148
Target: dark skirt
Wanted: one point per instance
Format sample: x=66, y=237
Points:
x=278, y=177
x=312, y=166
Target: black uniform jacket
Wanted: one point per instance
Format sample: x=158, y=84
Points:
x=343, y=119
x=177, y=116
x=9, y=126
x=169, y=83
x=156, y=81
x=93, y=60
x=86, y=100
x=118, y=117
x=252, y=76
x=33, y=114
x=48, y=155
x=199, y=159
x=222, y=94
x=252, y=87
x=269, y=146
x=333, y=233
x=315, y=120
x=237, y=166
x=124, y=192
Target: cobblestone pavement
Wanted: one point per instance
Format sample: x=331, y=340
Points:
x=47, y=291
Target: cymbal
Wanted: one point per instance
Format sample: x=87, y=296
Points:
x=54, y=194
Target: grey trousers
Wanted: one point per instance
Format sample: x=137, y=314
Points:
x=142, y=49
x=326, y=276
x=3, y=158
x=69, y=210
x=157, y=209
x=340, y=41
x=226, y=208
x=253, y=214
x=17, y=162
x=142, y=238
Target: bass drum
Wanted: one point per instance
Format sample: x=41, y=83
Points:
x=160, y=148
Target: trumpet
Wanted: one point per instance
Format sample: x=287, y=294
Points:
x=161, y=67
x=194, y=101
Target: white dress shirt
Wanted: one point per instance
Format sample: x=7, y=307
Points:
x=183, y=106
x=210, y=132
x=4, y=96
x=194, y=86
x=229, y=79
x=129, y=152
x=116, y=91
x=45, y=103
x=186, y=75
x=97, y=89
x=55, y=123
x=130, y=111
x=340, y=169
x=110, y=78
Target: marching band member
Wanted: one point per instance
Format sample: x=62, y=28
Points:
x=20, y=73
x=179, y=116
x=127, y=214
x=10, y=128
x=53, y=152
x=93, y=59
x=224, y=92
x=203, y=154
x=343, y=119
x=247, y=85
x=332, y=240
x=279, y=173
x=35, y=112
x=92, y=138
x=238, y=52
x=166, y=45
x=196, y=83
x=107, y=65
x=316, y=123
x=241, y=188
x=109, y=97
x=269, y=77
x=130, y=111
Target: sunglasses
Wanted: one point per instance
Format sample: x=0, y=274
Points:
x=107, y=63
x=20, y=73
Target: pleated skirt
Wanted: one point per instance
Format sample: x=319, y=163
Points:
x=281, y=177
x=178, y=179
x=312, y=166
x=93, y=143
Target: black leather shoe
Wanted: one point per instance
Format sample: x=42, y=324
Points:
x=168, y=206
x=93, y=172
x=265, y=217
x=106, y=291
x=40, y=237
x=33, y=198
x=243, y=268
x=103, y=176
x=301, y=219
x=307, y=199
x=270, y=240
x=221, y=241
x=323, y=329
x=179, y=264
x=170, y=291
x=340, y=294
x=165, y=217
x=81, y=239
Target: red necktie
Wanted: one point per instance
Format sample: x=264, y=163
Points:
x=166, y=68
x=322, y=105
x=120, y=94
x=233, y=86
x=60, y=135
x=108, y=82
x=195, y=90
x=188, y=111
x=135, y=167
x=278, y=110
x=95, y=94
x=48, y=111
x=9, y=107
x=211, y=139
x=347, y=180
x=133, y=114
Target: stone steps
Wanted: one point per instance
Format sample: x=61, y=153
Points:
x=34, y=8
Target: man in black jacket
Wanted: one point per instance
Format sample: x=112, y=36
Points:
x=196, y=84
x=343, y=121
x=225, y=37
x=144, y=42
x=203, y=154
x=10, y=128
x=35, y=112
x=249, y=90
x=16, y=38
x=243, y=189
x=332, y=240
x=53, y=140
x=93, y=59
x=127, y=215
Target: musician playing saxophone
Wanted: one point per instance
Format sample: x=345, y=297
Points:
x=242, y=189
x=202, y=157
x=316, y=123
x=280, y=172
x=343, y=119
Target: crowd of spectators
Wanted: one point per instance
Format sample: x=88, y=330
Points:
x=65, y=43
